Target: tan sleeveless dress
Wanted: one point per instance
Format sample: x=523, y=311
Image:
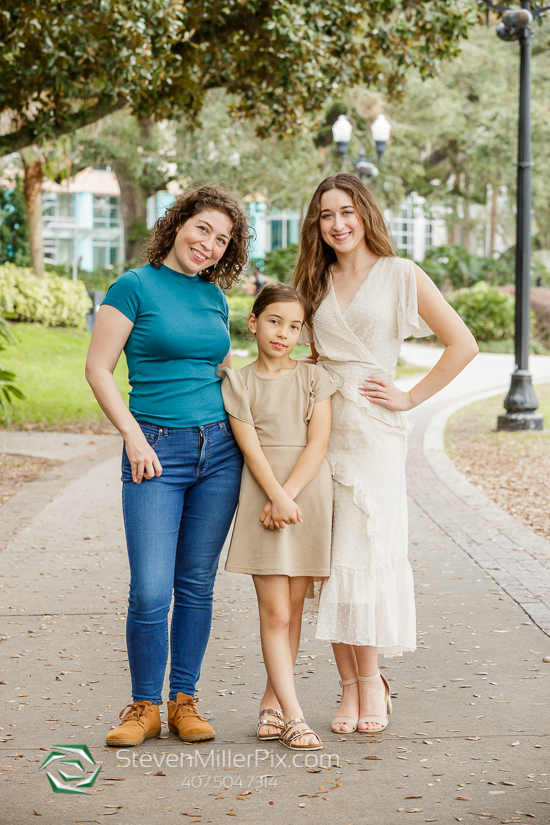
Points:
x=369, y=598
x=279, y=409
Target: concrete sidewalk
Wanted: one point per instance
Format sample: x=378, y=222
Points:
x=482, y=742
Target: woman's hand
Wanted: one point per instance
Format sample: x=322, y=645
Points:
x=381, y=391
x=142, y=457
x=285, y=511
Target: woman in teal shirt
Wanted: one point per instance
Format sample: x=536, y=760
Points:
x=181, y=466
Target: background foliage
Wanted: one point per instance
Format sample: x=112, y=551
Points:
x=51, y=300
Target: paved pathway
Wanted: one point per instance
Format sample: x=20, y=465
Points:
x=476, y=751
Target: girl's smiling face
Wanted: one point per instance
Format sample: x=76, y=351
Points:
x=278, y=328
x=200, y=242
x=340, y=224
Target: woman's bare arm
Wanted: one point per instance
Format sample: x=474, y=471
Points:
x=111, y=331
x=460, y=349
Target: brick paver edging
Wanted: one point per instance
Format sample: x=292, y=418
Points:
x=516, y=557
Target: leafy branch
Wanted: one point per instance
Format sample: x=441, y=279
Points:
x=7, y=387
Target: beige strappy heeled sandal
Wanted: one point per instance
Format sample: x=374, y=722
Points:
x=380, y=720
x=276, y=723
x=291, y=732
x=345, y=720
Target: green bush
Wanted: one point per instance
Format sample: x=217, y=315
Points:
x=462, y=270
x=488, y=313
x=280, y=263
x=7, y=377
x=51, y=300
x=100, y=278
x=239, y=310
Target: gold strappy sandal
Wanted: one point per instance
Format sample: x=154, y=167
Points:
x=277, y=723
x=380, y=720
x=291, y=732
x=345, y=720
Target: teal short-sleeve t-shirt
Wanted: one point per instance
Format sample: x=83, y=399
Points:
x=180, y=336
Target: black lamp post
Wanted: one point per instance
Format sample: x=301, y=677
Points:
x=380, y=130
x=521, y=402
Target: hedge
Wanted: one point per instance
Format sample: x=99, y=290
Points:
x=239, y=310
x=50, y=300
x=488, y=313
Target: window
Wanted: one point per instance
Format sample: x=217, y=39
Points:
x=57, y=207
x=429, y=232
x=284, y=229
x=106, y=254
x=403, y=228
x=276, y=234
x=106, y=212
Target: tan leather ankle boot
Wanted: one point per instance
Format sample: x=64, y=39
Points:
x=185, y=720
x=140, y=723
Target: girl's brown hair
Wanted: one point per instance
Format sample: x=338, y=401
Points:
x=312, y=273
x=272, y=293
x=228, y=269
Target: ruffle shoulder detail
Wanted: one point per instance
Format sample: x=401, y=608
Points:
x=410, y=324
x=236, y=399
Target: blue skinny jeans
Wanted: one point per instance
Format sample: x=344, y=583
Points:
x=176, y=525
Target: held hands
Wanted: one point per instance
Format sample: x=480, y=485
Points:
x=142, y=457
x=381, y=391
x=280, y=512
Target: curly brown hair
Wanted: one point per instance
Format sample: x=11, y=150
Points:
x=312, y=273
x=228, y=269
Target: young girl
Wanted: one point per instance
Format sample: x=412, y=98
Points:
x=280, y=414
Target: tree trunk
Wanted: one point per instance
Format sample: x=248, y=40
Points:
x=32, y=186
x=134, y=211
x=494, y=217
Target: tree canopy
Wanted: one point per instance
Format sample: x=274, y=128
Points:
x=67, y=64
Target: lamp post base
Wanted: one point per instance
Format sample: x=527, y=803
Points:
x=520, y=405
x=520, y=421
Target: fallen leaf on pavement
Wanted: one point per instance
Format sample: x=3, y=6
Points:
x=464, y=798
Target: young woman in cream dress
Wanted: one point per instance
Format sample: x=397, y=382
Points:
x=365, y=301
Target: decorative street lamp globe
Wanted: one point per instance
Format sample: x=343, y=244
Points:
x=341, y=132
x=380, y=131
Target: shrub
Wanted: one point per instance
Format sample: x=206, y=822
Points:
x=460, y=269
x=51, y=300
x=540, y=301
x=488, y=313
x=7, y=387
x=280, y=263
x=100, y=278
x=239, y=310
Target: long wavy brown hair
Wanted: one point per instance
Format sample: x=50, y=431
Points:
x=312, y=274
x=228, y=269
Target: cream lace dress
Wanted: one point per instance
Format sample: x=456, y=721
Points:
x=368, y=598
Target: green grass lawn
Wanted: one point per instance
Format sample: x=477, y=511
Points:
x=49, y=364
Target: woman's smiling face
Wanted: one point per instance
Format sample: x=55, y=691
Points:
x=340, y=224
x=200, y=242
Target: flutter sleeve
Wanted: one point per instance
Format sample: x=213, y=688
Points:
x=235, y=395
x=409, y=321
x=320, y=387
